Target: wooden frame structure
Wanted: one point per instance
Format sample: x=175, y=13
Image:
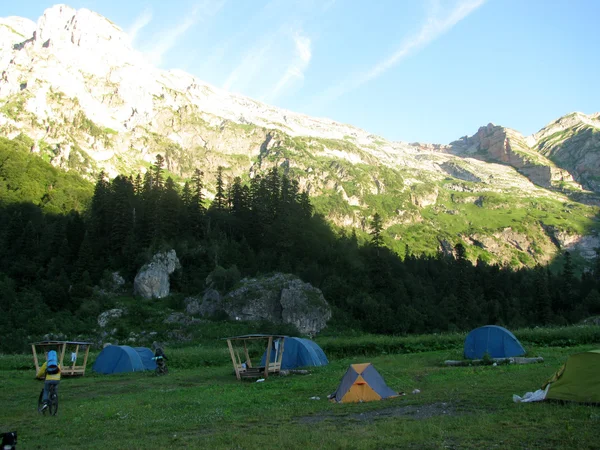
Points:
x=61, y=346
x=245, y=369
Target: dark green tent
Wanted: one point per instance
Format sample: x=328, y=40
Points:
x=578, y=380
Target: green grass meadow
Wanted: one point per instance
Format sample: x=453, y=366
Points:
x=203, y=406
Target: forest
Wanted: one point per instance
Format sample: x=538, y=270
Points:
x=61, y=237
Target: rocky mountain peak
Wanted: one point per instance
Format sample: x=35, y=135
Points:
x=64, y=26
x=572, y=120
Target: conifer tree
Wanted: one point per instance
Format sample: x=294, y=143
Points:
x=158, y=169
x=169, y=210
x=376, y=229
x=219, y=200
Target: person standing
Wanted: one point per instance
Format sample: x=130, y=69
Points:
x=50, y=373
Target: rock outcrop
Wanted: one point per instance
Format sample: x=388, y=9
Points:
x=107, y=316
x=152, y=280
x=281, y=298
x=499, y=144
x=573, y=142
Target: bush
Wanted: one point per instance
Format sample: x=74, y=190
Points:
x=224, y=279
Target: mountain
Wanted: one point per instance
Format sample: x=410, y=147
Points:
x=74, y=85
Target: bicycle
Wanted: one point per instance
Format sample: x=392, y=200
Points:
x=51, y=403
x=161, y=366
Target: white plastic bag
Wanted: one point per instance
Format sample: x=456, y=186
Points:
x=529, y=397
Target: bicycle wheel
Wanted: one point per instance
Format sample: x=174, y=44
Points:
x=53, y=401
x=41, y=403
x=53, y=404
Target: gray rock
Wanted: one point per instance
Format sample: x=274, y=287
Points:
x=106, y=316
x=152, y=281
x=211, y=303
x=281, y=298
x=117, y=280
x=192, y=306
x=595, y=320
x=180, y=319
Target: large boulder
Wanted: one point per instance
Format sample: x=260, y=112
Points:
x=281, y=298
x=212, y=303
x=192, y=306
x=152, y=280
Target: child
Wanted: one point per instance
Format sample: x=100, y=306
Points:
x=50, y=372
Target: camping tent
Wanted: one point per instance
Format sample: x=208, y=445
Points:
x=578, y=380
x=122, y=358
x=362, y=383
x=146, y=356
x=298, y=353
x=498, y=342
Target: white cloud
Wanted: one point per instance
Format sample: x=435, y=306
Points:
x=433, y=27
x=140, y=22
x=296, y=69
x=168, y=38
x=251, y=65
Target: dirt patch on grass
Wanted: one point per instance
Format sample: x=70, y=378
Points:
x=417, y=412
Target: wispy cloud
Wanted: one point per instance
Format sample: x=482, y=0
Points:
x=140, y=22
x=435, y=25
x=251, y=64
x=221, y=50
x=168, y=38
x=295, y=70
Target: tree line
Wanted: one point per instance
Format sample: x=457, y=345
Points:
x=50, y=262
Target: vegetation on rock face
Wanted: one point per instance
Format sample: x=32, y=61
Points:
x=50, y=262
x=348, y=184
x=26, y=179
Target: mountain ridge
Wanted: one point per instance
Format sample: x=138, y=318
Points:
x=90, y=102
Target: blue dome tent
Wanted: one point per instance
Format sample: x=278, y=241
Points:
x=122, y=358
x=497, y=341
x=298, y=352
x=146, y=356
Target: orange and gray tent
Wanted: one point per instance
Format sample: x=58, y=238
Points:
x=362, y=383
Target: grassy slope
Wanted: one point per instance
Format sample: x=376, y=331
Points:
x=466, y=407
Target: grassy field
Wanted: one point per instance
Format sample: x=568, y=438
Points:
x=205, y=407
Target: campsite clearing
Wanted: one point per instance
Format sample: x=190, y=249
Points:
x=457, y=407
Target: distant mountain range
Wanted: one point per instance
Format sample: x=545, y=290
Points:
x=88, y=101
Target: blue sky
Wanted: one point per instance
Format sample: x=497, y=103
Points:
x=429, y=70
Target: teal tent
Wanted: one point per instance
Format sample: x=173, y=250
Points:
x=122, y=358
x=297, y=352
x=496, y=341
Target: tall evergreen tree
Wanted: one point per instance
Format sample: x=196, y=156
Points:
x=158, y=169
x=376, y=229
x=219, y=200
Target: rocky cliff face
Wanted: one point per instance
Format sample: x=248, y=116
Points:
x=73, y=83
x=573, y=142
x=506, y=146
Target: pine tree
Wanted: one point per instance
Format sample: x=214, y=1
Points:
x=158, y=170
x=138, y=184
x=219, y=201
x=376, y=229
x=169, y=210
x=121, y=213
